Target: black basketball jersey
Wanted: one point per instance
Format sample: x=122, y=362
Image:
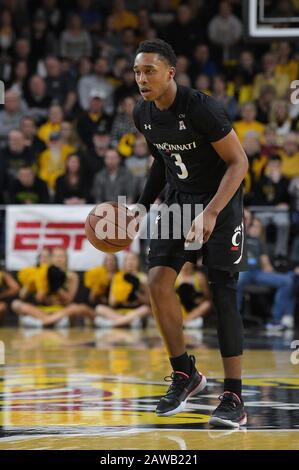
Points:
x=182, y=134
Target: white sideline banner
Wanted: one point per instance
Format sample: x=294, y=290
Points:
x=29, y=228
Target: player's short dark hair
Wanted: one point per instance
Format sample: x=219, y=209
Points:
x=160, y=47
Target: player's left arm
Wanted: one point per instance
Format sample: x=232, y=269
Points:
x=211, y=121
x=231, y=151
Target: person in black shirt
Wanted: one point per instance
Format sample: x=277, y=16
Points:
x=72, y=187
x=197, y=153
x=27, y=188
x=272, y=190
x=94, y=120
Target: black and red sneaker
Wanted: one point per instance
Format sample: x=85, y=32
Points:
x=230, y=413
x=183, y=386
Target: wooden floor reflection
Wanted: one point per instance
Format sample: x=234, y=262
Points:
x=86, y=389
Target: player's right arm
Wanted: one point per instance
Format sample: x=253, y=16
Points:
x=156, y=179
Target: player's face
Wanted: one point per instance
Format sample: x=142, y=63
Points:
x=153, y=75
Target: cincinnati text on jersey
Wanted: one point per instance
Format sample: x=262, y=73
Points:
x=166, y=146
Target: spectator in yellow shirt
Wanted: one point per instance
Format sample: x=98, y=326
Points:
x=248, y=123
x=290, y=156
x=52, y=160
x=53, y=124
x=270, y=76
x=285, y=64
x=279, y=117
x=123, y=18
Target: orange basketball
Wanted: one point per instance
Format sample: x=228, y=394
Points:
x=110, y=227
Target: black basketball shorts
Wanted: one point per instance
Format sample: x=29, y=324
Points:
x=226, y=247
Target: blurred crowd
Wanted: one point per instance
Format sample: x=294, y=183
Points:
x=66, y=129
x=109, y=295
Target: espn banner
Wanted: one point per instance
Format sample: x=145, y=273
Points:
x=29, y=228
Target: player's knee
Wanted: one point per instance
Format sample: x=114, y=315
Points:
x=159, y=282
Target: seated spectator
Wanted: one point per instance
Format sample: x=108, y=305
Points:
x=52, y=125
x=90, y=15
x=51, y=163
x=128, y=298
x=264, y=103
x=27, y=188
x=183, y=79
x=7, y=34
x=42, y=41
x=279, y=116
x=203, y=83
x=19, y=79
x=121, y=17
x=11, y=115
x=194, y=294
x=182, y=64
x=28, y=277
x=68, y=134
x=72, y=187
x=33, y=143
x=272, y=190
x=128, y=87
x=97, y=81
x=139, y=163
x=261, y=272
x=123, y=122
x=22, y=51
x=128, y=44
x=93, y=120
x=75, y=42
x=15, y=155
x=202, y=62
x=270, y=76
x=269, y=141
x=290, y=156
x=219, y=92
x=8, y=288
x=98, y=280
x=37, y=99
x=248, y=122
x=225, y=31
x=114, y=180
x=286, y=64
x=184, y=32
x=51, y=294
x=247, y=69
x=257, y=163
x=94, y=159
x=54, y=14
x=60, y=86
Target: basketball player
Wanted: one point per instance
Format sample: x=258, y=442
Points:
x=197, y=153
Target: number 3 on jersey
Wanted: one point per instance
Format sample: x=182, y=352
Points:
x=178, y=162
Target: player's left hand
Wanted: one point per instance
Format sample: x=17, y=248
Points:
x=201, y=228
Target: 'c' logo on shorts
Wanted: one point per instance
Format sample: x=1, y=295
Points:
x=236, y=238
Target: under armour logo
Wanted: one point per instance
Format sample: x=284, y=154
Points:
x=181, y=125
x=147, y=126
